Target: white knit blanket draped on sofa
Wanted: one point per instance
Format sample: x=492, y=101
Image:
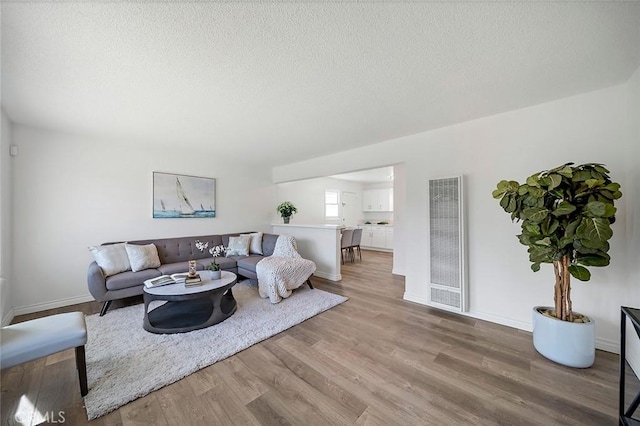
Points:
x=283, y=271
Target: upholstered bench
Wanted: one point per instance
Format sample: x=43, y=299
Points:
x=45, y=336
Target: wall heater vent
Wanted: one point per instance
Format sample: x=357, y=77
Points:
x=447, y=245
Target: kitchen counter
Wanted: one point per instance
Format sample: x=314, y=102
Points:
x=319, y=243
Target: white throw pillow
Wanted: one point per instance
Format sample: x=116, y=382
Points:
x=111, y=258
x=238, y=246
x=255, y=246
x=142, y=257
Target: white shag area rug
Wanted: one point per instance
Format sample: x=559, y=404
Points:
x=125, y=362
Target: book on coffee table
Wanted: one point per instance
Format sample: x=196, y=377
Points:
x=189, y=282
x=166, y=279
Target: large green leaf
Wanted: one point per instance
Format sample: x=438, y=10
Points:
x=556, y=180
x=593, y=259
x=549, y=225
x=592, y=183
x=580, y=247
x=533, y=180
x=580, y=272
x=497, y=193
x=597, y=175
x=504, y=202
x=594, y=229
x=531, y=228
x=613, y=187
x=610, y=210
x=594, y=209
x=606, y=194
x=564, y=208
x=581, y=175
x=541, y=254
x=565, y=241
x=500, y=190
x=536, y=192
x=523, y=189
x=570, y=229
x=544, y=242
x=565, y=171
x=535, y=214
x=591, y=244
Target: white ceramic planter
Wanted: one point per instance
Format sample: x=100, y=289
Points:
x=215, y=275
x=567, y=343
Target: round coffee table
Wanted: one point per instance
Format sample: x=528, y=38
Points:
x=190, y=308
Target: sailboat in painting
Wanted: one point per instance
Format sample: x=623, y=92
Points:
x=185, y=205
x=180, y=196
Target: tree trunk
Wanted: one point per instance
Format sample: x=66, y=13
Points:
x=562, y=289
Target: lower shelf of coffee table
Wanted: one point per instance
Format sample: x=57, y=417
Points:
x=188, y=315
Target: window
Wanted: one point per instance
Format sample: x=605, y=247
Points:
x=331, y=200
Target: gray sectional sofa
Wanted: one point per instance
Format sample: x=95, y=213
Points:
x=174, y=253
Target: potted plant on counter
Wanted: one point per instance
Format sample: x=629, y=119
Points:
x=286, y=210
x=565, y=215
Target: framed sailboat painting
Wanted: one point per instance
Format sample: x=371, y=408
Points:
x=183, y=196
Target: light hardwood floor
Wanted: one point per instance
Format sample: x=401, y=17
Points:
x=375, y=359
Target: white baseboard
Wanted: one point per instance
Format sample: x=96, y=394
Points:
x=498, y=319
x=415, y=298
x=51, y=305
x=6, y=320
x=398, y=271
x=608, y=345
x=328, y=276
x=602, y=344
x=386, y=250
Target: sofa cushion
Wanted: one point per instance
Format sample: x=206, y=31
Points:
x=111, y=258
x=249, y=263
x=142, y=256
x=238, y=246
x=130, y=279
x=268, y=244
x=255, y=246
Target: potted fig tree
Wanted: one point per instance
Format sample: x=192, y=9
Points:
x=566, y=215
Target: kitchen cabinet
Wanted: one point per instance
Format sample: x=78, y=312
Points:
x=388, y=240
x=367, y=238
x=377, y=200
x=377, y=237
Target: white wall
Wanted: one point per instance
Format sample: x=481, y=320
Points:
x=592, y=127
x=632, y=192
x=400, y=231
x=6, y=306
x=308, y=196
x=71, y=193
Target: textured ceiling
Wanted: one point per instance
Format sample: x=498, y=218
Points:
x=283, y=81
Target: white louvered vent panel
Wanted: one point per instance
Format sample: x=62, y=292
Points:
x=446, y=232
x=446, y=297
